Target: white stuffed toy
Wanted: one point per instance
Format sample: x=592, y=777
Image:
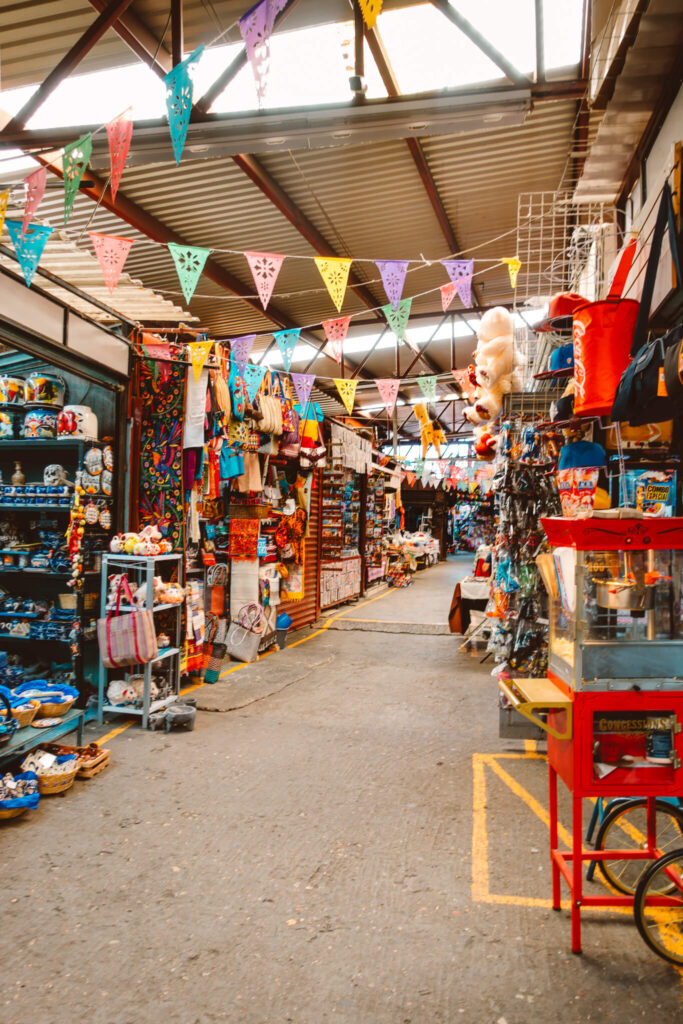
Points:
x=493, y=361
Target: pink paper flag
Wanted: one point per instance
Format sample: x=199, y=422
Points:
x=447, y=295
x=335, y=332
x=443, y=467
x=119, y=133
x=264, y=266
x=240, y=349
x=303, y=383
x=393, y=274
x=35, y=188
x=112, y=253
x=460, y=273
x=388, y=389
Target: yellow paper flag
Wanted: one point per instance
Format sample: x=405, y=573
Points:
x=347, y=392
x=514, y=266
x=199, y=353
x=370, y=9
x=335, y=274
x=4, y=196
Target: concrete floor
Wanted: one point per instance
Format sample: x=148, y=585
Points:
x=309, y=858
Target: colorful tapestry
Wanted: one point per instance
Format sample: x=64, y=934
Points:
x=243, y=538
x=161, y=448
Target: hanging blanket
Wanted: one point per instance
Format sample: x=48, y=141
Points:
x=243, y=538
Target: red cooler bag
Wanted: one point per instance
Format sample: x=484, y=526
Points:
x=603, y=333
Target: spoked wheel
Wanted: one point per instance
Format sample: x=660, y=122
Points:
x=625, y=828
x=662, y=927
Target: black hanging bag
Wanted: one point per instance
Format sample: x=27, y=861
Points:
x=642, y=395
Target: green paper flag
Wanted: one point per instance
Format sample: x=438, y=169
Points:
x=428, y=387
x=74, y=162
x=398, y=318
x=189, y=262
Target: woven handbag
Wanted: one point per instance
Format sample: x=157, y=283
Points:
x=129, y=638
x=244, y=635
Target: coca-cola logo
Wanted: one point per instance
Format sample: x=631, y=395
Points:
x=578, y=332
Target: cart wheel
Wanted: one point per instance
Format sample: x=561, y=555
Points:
x=625, y=828
x=662, y=927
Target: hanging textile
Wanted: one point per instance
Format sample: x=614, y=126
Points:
x=161, y=453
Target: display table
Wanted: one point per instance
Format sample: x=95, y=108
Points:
x=28, y=738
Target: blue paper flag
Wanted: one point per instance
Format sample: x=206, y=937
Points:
x=29, y=249
x=178, y=83
x=287, y=341
x=253, y=375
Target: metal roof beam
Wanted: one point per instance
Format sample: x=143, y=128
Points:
x=177, y=32
x=275, y=194
x=140, y=39
x=480, y=41
x=415, y=147
x=540, y=44
x=111, y=12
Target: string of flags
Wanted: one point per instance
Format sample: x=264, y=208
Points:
x=253, y=374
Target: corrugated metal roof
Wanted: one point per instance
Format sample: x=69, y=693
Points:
x=36, y=34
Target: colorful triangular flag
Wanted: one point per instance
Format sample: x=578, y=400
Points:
x=4, y=198
x=253, y=375
x=335, y=332
x=287, y=341
x=28, y=247
x=388, y=390
x=74, y=162
x=179, y=89
x=119, y=133
x=370, y=10
x=347, y=392
x=335, y=274
x=393, y=274
x=303, y=384
x=256, y=27
x=398, y=319
x=199, y=353
x=112, y=253
x=428, y=387
x=35, y=188
x=189, y=262
x=514, y=266
x=448, y=292
x=264, y=266
x=461, y=273
x=410, y=477
x=240, y=350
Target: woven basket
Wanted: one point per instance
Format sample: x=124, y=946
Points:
x=55, y=709
x=50, y=783
x=25, y=713
x=90, y=761
x=14, y=812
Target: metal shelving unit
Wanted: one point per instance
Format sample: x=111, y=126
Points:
x=144, y=570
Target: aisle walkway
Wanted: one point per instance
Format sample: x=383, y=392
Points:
x=312, y=858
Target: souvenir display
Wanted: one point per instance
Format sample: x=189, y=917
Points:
x=93, y=461
x=40, y=424
x=11, y=390
x=6, y=425
x=77, y=421
x=44, y=389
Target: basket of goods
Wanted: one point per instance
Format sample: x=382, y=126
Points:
x=55, y=698
x=18, y=794
x=91, y=760
x=56, y=772
x=8, y=724
x=24, y=710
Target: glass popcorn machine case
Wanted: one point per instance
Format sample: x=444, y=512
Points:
x=616, y=617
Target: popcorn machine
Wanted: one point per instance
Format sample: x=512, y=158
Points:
x=612, y=702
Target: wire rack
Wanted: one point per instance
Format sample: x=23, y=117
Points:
x=532, y=405
x=563, y=245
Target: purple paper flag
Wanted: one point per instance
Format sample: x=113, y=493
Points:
x=303, y=384
x=460, y=273
x=256, y=27
x=240, y=349
x=393, y=276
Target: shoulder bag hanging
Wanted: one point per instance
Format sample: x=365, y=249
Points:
x=642, y=395
x=128, y=639
x=602, y=333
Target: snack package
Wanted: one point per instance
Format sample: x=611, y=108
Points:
x=577, y=489
x=651, y=491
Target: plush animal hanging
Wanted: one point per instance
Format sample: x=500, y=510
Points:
x=493, y=359
x=426, y=427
